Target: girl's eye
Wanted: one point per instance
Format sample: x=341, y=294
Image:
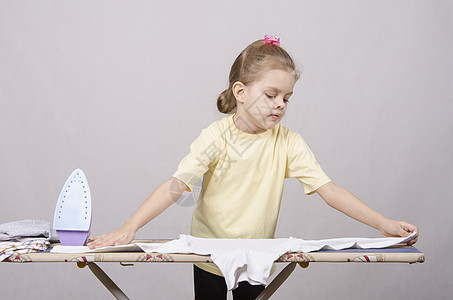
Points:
x=273, y=97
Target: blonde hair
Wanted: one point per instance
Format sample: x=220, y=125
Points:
x=256, y=59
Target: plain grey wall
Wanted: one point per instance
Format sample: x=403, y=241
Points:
x=121, y=89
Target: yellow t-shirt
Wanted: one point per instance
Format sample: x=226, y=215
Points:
x=243, y=179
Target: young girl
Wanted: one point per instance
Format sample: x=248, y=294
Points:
x=245, y=158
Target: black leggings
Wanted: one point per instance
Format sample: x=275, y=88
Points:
x=213, y=287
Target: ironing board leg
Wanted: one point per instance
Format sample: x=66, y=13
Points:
x=277, y=282
x=107, y=282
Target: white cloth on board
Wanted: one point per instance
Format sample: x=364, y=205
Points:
x=244, y=259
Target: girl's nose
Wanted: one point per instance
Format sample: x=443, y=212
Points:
x=279, y=103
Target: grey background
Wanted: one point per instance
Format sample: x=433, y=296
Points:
x=121, y=88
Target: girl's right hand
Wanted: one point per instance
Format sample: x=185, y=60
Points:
x=120, y=236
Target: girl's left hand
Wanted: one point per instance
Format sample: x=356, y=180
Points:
x=393, y=228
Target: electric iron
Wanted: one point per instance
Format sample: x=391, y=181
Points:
x=72, y=218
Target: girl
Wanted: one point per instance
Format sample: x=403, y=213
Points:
x=245, y=158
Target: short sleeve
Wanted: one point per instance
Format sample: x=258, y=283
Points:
x=302, y=164
x=204, y=151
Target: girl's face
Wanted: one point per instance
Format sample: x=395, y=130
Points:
x=262, y=104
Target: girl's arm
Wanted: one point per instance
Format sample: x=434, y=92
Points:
x=344, y=201
x=163, y=196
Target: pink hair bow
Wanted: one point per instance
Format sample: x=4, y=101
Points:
x=272, y=40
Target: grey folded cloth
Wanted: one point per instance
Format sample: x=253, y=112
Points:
x=25, y=230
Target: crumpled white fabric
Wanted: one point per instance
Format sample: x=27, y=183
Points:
x=244, y=259
x=252, y=259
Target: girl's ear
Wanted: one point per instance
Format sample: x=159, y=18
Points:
x=238, y=89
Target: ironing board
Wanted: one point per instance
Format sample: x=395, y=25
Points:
x=394, y=254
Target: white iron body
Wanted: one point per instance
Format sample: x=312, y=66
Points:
x=72, y=218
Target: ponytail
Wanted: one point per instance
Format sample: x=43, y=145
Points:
x=226, y=102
